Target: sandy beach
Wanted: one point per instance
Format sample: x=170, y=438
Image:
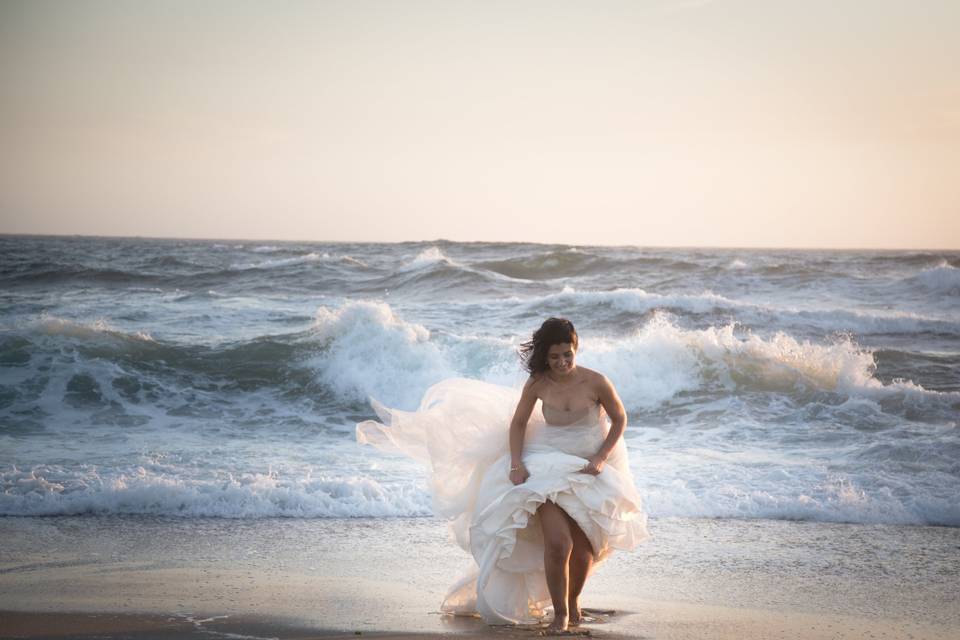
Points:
x=147, y=577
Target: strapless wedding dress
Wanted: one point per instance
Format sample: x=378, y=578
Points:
x=461, y=431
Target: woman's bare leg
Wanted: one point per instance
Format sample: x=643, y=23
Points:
x=581, y=559
x=557, y=546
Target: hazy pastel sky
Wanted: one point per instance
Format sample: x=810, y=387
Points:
x=656, y=122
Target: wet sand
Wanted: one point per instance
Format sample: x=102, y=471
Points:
x=144, y=577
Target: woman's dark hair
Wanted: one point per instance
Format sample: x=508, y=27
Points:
x=553, y=331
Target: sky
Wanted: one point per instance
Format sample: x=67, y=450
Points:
x=651, y=122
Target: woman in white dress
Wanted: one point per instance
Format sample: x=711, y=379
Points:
x=540, y=505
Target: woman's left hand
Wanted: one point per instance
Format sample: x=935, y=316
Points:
x=594, y=465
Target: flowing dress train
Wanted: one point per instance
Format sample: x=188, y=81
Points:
x=460, y=432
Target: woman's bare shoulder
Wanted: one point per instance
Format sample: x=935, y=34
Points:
x=590, y=374
x=534, y=382
x=594, y=378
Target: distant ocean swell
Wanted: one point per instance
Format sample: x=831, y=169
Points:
x=432, y=266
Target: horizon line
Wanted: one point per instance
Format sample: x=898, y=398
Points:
x=451, y=241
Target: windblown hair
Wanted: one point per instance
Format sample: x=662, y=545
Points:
x=553, y=331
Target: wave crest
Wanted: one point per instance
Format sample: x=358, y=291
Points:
x=47, y=490
x=546, y=266
x=943, y=279
x=369, y=351
x=661, y=361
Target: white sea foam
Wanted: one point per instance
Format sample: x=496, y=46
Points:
x=353, y=261
x=776, y=363
x=671, y=487
x=434, y=256
x=829, y=498
x=639, y=302
x=281, y=262
x=661, y=360
x=427, y=258
x=294, y=260
x=369, y=351
x=649, y=367
x=635, y=300
x=136, y=490
x=53, y=325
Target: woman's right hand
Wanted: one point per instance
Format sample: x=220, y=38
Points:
x=518, y=474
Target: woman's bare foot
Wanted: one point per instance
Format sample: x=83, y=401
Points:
x=559, y=626
x=576, y=616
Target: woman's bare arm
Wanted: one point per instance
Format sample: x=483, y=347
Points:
x=518, y=427
x=618, y=424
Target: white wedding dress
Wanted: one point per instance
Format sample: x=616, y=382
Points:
x=461, y=433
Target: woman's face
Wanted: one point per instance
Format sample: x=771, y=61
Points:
x=561, y=358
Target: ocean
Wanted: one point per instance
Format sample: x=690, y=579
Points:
x=224, y=379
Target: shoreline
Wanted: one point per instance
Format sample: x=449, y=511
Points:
x=142, y=626
x=152, y=577
x=662, y=621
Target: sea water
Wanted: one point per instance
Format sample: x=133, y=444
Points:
x=199, y=378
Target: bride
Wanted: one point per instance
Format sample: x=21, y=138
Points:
x=540, y=505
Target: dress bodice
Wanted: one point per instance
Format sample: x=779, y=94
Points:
x=579, y=432
x=557, y=417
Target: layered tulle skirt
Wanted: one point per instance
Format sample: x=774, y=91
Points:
x=460, y=432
